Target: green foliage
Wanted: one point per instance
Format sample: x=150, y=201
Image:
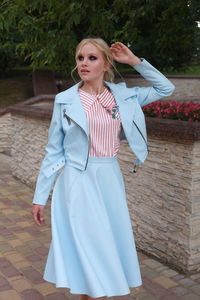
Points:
x=46, y=32
x=165, y=32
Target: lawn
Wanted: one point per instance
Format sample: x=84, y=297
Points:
x=191, y=70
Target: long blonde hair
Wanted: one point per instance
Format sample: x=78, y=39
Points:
x=106, y=53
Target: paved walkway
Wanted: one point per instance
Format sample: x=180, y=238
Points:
x=24, y=248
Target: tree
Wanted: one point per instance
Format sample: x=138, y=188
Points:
x=165, y=31
x=161, y=31
x=51, y=29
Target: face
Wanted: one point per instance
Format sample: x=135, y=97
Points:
x=90, y=63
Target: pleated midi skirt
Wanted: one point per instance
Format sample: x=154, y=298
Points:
x=92, y=250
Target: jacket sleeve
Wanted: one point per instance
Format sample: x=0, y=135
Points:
x=53, y=160
x=161, y=86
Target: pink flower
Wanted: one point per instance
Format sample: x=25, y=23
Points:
x=187, y=111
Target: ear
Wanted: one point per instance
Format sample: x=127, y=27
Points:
x=106, y=66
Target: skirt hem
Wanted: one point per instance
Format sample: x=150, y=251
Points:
x=86, y=293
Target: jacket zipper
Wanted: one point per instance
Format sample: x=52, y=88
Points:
x=88, y=152
x=69, y=122
x=141, y=135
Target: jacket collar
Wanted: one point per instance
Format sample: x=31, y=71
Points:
x=118, y=89
x=73, y=107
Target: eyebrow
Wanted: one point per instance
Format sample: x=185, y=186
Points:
x=88, y=54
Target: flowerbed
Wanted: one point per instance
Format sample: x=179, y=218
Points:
x=186, y=111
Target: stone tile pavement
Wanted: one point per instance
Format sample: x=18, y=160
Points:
x=24, y=247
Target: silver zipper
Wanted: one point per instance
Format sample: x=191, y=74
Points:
x=141, y=135
x=88, y=152
x=69, y=122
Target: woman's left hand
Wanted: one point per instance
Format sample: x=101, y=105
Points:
x=123, y=54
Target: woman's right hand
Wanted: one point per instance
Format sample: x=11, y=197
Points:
x=38, y=214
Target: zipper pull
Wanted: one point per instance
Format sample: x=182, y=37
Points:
x=134, y=169
x=66, y=116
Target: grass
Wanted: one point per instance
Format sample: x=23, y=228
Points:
x=191, y=70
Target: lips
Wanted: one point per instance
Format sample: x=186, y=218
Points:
x=84, y=71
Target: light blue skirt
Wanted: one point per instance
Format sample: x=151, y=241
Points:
x=92, y=250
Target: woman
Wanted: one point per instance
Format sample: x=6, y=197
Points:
x=92, y=251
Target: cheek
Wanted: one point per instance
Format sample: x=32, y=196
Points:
x=99, y=67
x=78, y=65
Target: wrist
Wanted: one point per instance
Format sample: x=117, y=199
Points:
x=135, y=61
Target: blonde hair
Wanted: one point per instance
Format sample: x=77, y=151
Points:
x=106, y=53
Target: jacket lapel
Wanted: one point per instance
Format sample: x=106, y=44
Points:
x=72, y=106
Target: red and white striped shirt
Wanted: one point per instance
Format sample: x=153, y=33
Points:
x=104, y=130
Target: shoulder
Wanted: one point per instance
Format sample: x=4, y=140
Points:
x=63, y=96
x=120, y=89
x=115, y=86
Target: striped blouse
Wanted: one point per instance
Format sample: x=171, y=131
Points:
x=104, y=129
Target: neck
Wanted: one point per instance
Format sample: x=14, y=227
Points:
x=93, y=87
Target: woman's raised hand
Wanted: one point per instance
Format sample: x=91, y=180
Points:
x=123, y=54
x=38, y=214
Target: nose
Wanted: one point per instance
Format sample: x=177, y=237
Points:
x=84, y=61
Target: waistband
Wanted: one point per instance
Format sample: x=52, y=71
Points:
x=102, y=159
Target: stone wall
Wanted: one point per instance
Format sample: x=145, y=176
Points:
x=27, y=150
x=160, y=200
x=6, y=126
x=195, y=199
x=5, y=132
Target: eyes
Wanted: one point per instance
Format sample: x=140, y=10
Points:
x=91, y=57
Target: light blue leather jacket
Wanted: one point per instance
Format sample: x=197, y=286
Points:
x=68, y=137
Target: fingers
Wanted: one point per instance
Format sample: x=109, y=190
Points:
x=117, y=50
x=117, y=46
x=38, y=214
x=41, y=216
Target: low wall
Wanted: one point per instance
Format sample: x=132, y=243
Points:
x=6, y=126
x=30, y=136
x=163, y=196
x=187, y=87
x=164, y=201
x=5, y=132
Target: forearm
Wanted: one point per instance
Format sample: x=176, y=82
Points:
x=43, y=188
x=161, y=86
x=54, y=159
